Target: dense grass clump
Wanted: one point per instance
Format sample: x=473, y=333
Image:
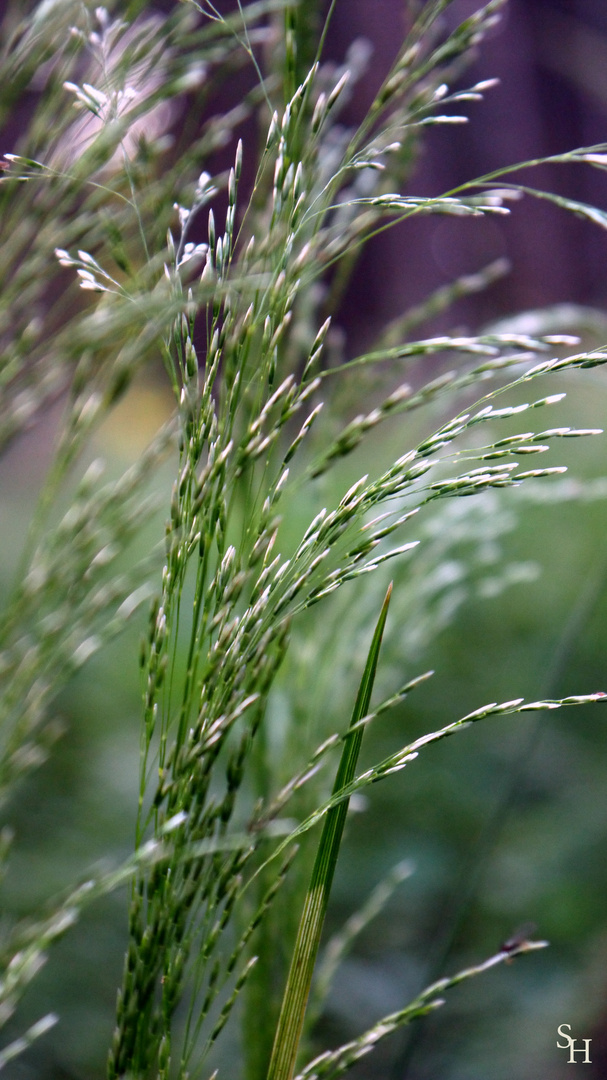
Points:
x=268, y=587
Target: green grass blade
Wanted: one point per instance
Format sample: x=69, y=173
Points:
x=292, y=1013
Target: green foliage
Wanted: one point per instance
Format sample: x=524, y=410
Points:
x=251, y=583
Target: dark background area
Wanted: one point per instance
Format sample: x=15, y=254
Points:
x=551, y=59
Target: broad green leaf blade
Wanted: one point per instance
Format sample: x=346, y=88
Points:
x=293, y=1009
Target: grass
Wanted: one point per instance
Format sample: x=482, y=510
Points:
x=124, y=259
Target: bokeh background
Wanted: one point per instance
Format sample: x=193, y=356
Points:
x=508, y=824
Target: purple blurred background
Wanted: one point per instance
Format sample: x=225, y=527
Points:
x=551, y=59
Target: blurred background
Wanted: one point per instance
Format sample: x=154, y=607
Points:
x=508, y=824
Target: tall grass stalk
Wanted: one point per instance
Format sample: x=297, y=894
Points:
x=230, y=286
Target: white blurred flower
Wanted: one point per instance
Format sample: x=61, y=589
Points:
x=125, y=70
